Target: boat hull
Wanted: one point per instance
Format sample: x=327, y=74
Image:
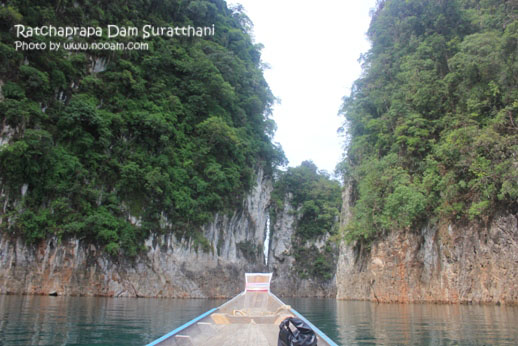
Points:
x=250, y=318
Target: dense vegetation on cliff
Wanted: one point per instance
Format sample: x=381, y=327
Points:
x=163, y=138
x=315, y=199
x=432, y=124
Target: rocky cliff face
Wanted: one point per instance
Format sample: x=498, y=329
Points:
x=171, y=267
x=286, y=281
x=451, y=264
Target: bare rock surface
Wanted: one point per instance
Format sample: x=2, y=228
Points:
x=286, y=282
x=450, y=264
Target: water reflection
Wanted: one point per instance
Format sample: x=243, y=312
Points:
x=41, y=320
x=426, y=324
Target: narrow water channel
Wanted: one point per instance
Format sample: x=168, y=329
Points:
x=39, y=320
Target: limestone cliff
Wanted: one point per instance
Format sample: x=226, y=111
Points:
x=450, y=263
x=171, y=267
x=281, y=261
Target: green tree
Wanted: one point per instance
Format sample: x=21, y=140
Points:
x=167, y=136
x=432, y=121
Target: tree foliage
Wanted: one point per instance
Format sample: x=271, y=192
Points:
x=433, y=121
x=157, y=141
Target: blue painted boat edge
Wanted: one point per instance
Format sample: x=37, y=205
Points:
x=318, y=331
x=182, y=327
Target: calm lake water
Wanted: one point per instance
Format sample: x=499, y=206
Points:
x=41, y=320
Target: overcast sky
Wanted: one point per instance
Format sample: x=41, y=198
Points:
x=312, y=48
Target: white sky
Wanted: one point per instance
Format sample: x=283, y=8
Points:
x=313, y=49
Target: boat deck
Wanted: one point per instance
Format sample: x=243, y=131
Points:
x=236, y=334
x=250, y=319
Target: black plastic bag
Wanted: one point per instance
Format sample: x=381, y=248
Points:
x=303, y=335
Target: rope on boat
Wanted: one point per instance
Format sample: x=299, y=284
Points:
x=282, y=307
x=239, y=313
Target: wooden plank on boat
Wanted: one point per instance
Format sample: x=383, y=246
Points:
x=220, y=318
x=244, y=334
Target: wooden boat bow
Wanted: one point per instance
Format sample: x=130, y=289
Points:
x=251, y=318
